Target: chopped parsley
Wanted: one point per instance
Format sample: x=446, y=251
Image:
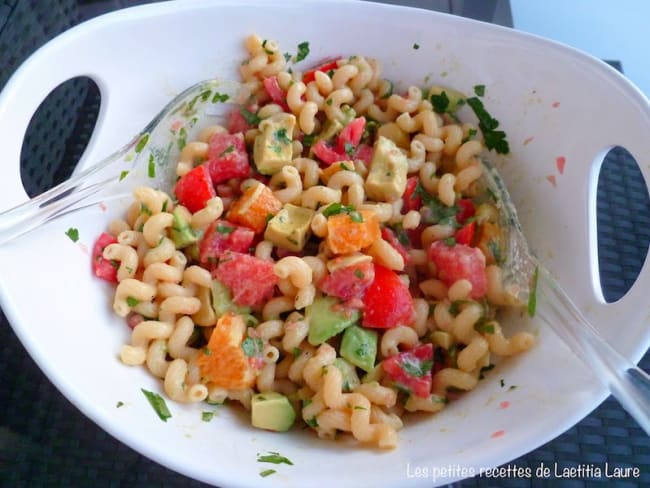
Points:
x=267, y=472
x=281, y=136
x=450, y=241
x=142, y=142
x=151, y=167
x=359, y=274
x=250, y=117
x=440, y=102
x=73, y=234
x=416, y=45
x=303, y=51
x=220, y=97
x=273, y=458
x=417, y=369
x=119, y=404
x=308, y=140
x=532, y=297
x=132, y=301
x=338, y=208
x=296, y=352
x=502, y=383
x=349, y=149
x=224, y=229
x=123, y=174
x=207, y=416
x=484, y=370
x=158, y=404
x=182, y=138
x=389, y=91
x=494, y=139
x=485, y=327
x=479, y=90
x=252, y=346
x=228, y=150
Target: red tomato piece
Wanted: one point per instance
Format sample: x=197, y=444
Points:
x=460, y=261
x=349, y=282
x=103, y=268
x=388, y=302
x=251, y=280
x=350, y=137
x=324, y=67
x=465, y=235
x=327, y=154
x=222, y=236
x=391, y=237
x=466, y=210
x=411, y=369
x=236, y=122
x=227, y=157
x=412, y=201
x=363, y=153
x=194, y=189
x=276, y=93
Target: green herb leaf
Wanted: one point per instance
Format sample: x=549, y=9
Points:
x=220, y=97
x=308, y=140
x=417, y=368
x=494, y=139
x=158, y=404
x=228, y=150
x=338, y=208
x=532, y=297
x=349, y=149
x=359, y=274
x=440, y=102
x=450, y=241
x=479, y=90
x=142, y=142
x=252, y=346
x=73, y=234
x=119, y=404
x=267, y=472
x=224, y=229
x=250, y=117
x=296, y=352
x=152, y=166
x=416, y=45
x=132, y=301
x=281, y=136
x=484, y=326
x=273, y=458
x=123, y=174
x=303, y=51
x=207, y=416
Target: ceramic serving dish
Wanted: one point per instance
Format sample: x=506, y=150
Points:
x=561, y=109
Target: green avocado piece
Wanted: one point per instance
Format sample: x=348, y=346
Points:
x=222, y=300
x=325, y=321
x=272, y=411
x=349, y=373
x=359, y=347
x=180, y=232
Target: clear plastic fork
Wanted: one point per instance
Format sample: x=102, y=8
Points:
x=145, y=160
x=628, y=383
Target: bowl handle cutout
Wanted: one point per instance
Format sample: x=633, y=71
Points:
x=619, y=223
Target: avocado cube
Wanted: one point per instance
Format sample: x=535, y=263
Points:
x=290, y=227
x=349, y=374
x=359, y=347
x=273, y=147
x=272, y=411
x=326, y=320
x=180, y=232
x=386, y=180
x=222, y=301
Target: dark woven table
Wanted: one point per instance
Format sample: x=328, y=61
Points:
x=45, y=441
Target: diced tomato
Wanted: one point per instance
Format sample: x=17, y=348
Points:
x=350, y=137
x=412, y=201
x=411, y=369
x=102, y=267
x=227, y=157
x=194, y=189
x=222, y=236
x=388, y=302
x=363, y=153
x=465, y=235
x=460, y=261
x=389, y=236
x=324, y=67
x=349, y=282
x=251, y=280
x=327, y=154
x=276, y=93
x=236, y=122
x=466, y=210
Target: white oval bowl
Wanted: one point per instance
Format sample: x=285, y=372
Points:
x=551, y=100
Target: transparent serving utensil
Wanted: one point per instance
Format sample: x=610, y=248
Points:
x=629, y=384
x=148, y=159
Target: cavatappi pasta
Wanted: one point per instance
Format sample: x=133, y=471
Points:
x=328, y=252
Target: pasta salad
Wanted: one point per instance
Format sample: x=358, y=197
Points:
x=328, y=256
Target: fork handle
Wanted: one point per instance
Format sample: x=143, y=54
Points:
x=629, y=384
